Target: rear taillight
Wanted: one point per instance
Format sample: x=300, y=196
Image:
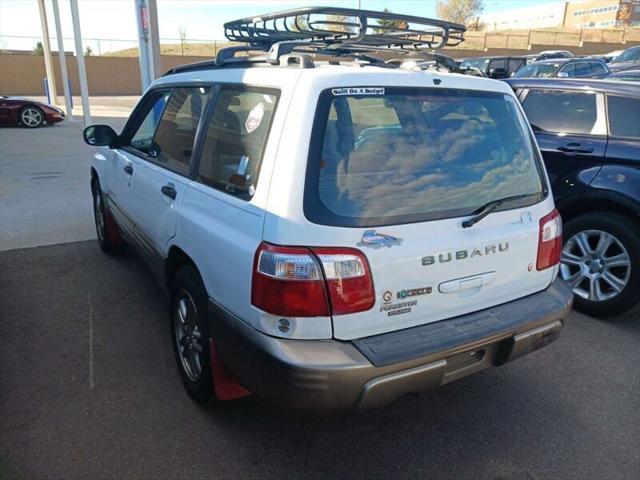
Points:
x=549, y=241
x=348, y=279
x=311, y=282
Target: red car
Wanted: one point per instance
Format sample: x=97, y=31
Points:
x=28, y=113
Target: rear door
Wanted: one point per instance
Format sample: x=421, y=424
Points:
x=570, y=127
x=395, y=172
x=162, y=176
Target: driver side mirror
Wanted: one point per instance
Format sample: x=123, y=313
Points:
x=100, y=136
x=498, y=73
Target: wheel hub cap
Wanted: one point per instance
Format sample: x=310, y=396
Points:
x=595, y=264
x=31, y=117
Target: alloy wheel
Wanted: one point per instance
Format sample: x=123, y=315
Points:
x=188, y=336
x=31, y=117
x=595, y=264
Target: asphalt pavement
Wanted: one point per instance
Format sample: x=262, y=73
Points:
x=89, y=390
x=44, y=184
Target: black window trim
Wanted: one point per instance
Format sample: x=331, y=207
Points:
x=204, y=125
x=311, y=198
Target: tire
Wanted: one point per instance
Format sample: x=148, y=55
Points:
x=31, y=117
x=109, y=237
x=606, y=278
x=190, y=333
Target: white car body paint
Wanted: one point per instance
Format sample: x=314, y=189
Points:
x=221, y=232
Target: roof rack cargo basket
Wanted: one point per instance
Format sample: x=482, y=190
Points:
x=340, y=31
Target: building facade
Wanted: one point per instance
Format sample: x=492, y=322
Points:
x=602, y=13
x=570, y=14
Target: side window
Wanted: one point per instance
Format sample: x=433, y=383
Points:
x=235, y=140
x=173, y=140
x=515, y=65
x=498, y=64
x=569, y=69
x=583, y=69
x=562, y=111
x=597, y=67
x=624, y=116
x=143, y=136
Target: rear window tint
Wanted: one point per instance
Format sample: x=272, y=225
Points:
x=414, y=155
x=624, y=116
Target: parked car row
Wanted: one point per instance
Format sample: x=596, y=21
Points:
x=557, y=64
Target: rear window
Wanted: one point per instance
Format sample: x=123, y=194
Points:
x=412, y=155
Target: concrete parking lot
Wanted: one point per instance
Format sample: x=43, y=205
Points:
x=89, y=386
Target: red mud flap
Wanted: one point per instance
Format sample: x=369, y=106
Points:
x=113, y=230
x=226, y=386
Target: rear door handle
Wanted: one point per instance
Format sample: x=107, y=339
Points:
x=574, y=148
x=169, y=191
x=128, y=169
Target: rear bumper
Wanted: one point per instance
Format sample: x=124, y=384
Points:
x=326, y=375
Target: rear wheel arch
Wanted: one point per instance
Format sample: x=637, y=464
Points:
x=603, y=204
x=176, y=259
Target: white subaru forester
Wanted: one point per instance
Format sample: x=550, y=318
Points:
x=334, y=234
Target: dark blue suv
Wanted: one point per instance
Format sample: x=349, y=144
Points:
x=589, y=135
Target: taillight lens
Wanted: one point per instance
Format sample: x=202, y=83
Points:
x=549, y=241
x=348, y=279
x=288, y=281
x=311, y=282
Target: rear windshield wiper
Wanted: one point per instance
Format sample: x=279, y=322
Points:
x=491, y=207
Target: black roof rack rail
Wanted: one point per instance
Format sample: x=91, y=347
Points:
x=340, y=31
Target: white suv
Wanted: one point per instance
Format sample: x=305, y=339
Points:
x=334, y=234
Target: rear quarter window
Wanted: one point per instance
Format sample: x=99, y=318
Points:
x=624, y=116
x=414, y=155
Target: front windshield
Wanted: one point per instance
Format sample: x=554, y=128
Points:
x=537, y=70
x=631, y=55
x=480, y=63
x=416, y=154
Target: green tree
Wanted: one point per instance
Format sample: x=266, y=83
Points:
x=38, y=49
x=389, y=24
x=458, y=11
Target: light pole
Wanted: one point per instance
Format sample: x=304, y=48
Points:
x=46, y=47
x=63, y=61
x=148, y=41
x=82, y=72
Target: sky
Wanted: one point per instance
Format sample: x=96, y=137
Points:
x=113, y=21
